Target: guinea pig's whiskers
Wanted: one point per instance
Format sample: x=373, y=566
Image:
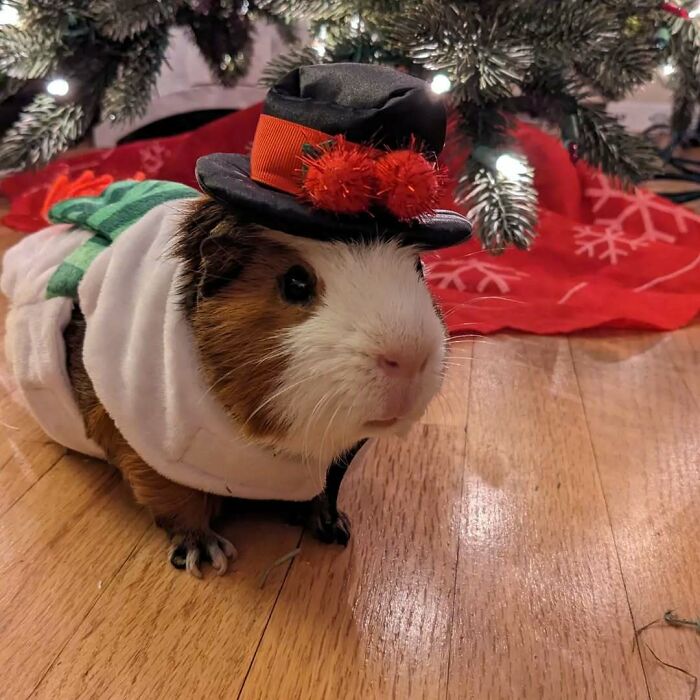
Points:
x=348, y=413
x=322, y=466
x=278, y=352
x=462, y=336
x=449, y=312
x=223, y=378
x=461, y=361
x=256, y=361
x=309, y=421
x=276, y=395
x=318, y=476
x=478, y=299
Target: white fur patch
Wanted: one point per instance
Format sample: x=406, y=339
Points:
x=374, y=303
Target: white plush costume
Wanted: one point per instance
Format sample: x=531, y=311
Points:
x=140, y=355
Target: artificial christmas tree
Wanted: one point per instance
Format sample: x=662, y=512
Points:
x=560, y=61
x=101, y=58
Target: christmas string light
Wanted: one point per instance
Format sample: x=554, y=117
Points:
x=674, y=9
x=510, y=167
x=58, y=87
x=8, y=14
x=319, y=42
x=440, y=84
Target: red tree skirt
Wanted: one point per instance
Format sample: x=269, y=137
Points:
x=603, y=257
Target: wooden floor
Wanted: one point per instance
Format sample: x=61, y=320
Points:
x=548, y=506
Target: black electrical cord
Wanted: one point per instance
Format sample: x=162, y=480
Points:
x=678, y=168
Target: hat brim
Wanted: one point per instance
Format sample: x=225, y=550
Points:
x=226, y=178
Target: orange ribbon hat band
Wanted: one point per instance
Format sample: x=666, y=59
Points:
x=276, y=156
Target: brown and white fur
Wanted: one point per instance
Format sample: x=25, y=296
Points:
x=361, y=356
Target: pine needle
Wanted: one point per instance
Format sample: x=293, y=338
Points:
x=671, y=619
x=278, y=562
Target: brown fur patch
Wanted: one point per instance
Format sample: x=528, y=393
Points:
x=174, y=507
x=237, y=312
x=237, y=334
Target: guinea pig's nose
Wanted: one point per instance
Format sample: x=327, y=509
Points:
x=396, y=364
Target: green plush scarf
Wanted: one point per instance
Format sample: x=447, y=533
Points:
x=107, y=215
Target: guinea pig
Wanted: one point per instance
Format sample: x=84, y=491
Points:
x=209, y=356
x=245, y=342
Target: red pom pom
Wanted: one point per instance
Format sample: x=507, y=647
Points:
x=409, y=185
x=341, y=179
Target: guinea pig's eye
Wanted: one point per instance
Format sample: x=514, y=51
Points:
x=297, y=285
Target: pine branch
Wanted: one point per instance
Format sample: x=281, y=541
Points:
x=27, y=54
x=504, y=210
x=286, y=28
x=9, y=87
x=620, y=69
x=129, y=93
x=685, y=52
x=44, y=129
x=487, y=126
x=485, y=66
x=605, y=143
x=334, y=11
x=297, y=56
x=308, y=9
x=553, y=25
x=602, y=139
x=224, y=37
x=123, y=19
x=684, y=103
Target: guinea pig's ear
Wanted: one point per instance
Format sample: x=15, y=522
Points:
x=213, y=246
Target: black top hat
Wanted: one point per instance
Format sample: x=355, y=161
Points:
x=362, y=114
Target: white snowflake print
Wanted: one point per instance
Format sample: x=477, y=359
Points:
x=153, y=157
x=606, y=242
x=646, y=205
x=449, y=273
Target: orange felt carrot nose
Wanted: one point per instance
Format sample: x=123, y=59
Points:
x=87, y=184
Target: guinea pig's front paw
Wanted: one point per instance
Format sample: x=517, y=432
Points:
x=329, y=525
x=189, y=548
x=334, y=531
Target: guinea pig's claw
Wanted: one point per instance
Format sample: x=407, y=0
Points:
x=187, y=550
x=333, y=530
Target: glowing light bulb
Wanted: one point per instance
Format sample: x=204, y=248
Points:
x=319, y=43
x=8, y=15
x=510, y=167
x=440, y=84
x=58, y=87
x=668, y=69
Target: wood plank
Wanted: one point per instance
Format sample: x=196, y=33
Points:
x=683, y=348
x=373, y=621
x=159, y=633
x=62, y=544
x=645, y=426
x=26, y=453
x=540, y=606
